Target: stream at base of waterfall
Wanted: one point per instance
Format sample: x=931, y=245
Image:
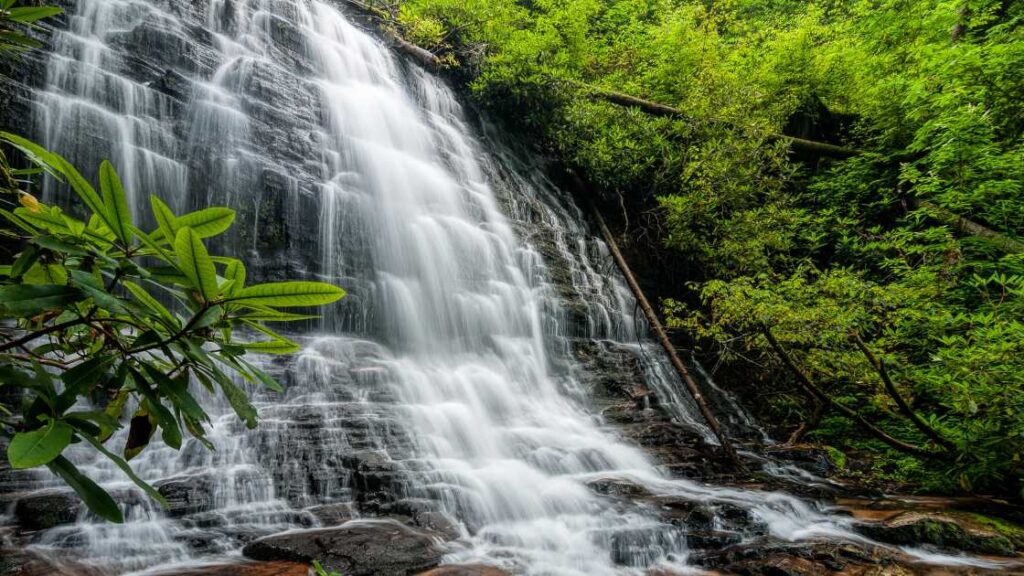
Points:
x=486, y=395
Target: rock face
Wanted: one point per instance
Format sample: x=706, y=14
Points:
x=357, y=548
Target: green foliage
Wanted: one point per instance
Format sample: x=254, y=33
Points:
x=320, y=570
x=106, y=325
x=930, y=91
x=16, y=20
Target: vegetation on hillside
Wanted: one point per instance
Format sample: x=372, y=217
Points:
x=891, y=281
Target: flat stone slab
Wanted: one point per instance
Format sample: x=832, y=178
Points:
x=356, y=548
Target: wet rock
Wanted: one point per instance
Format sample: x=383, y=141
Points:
x=712, y=539
x=357, y=548
x=18, y=562
x=466, y=570
x=172, y=84
x=687, y=513
x=617, y=487
x=43, y=510
x=333, y=514
x=376, y=479
x=641, y=546
x=187, y=494
x=942, y=530
x=438, y=522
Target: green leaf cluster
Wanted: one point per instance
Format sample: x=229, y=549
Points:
x=16, y=21
x=106, y=325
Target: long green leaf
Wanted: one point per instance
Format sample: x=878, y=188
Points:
x=237, y=398
x=279, y=346
x=150, y=302
x=85, y=191
x=167, y=223
x=177, y=392
x=288, y=294
x=259, y=314
x=148, y=242
x=195, y=263
x=31, y=299
x=94, y=497
x=170, y=431
x=35, y=448
x=30, y=14
x=235, y=271
x=118, y=214
x=208, y=221
x=126, y=468
x=34, y=153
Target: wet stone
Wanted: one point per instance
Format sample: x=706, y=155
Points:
x=940, y=530
x=187, y=495
x=358, y=548
x=712, y=539
x=46, y=509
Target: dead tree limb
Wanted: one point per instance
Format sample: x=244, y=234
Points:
x=969, y=227
x=662, y=336
x=811, y=424
x=870, y=428
x=658, y=109
x=890, y=388
x=387, y=25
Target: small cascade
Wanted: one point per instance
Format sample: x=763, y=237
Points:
x=460, y=379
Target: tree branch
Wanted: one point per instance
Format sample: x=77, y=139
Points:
x=659, y=332
x=844, y=410
x=905, y=408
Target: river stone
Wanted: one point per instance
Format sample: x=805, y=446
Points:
x=46, y=509
x=187, y=494
x=945, y=531
x=356, y=548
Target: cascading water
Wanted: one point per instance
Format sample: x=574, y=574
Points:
x=450, y=378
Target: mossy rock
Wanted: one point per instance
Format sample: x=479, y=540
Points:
x=944, y=530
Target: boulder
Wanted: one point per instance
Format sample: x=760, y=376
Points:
x=356, y=548
x=951, y=531
x=187, y=494
x=618, y=487
x=46, y=509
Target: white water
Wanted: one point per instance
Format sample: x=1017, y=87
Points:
x=453, y=356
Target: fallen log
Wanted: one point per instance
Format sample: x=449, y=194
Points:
x=662, y=110
x=969, y=227
x=661, y=335
x=387, y=25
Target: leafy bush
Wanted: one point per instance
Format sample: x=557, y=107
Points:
x=104, y=323
x=929, y=91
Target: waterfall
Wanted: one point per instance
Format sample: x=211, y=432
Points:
x=453, y=378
